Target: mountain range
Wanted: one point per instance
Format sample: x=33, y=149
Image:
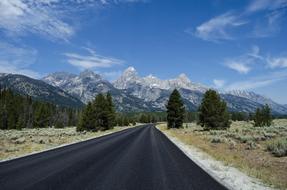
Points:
x=132, y=92
x=38, y=89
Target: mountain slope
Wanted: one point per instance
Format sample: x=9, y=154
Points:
x=134, y=93
x=152, y=89
x=38, y=90
x=87, y=85
x=259, y=99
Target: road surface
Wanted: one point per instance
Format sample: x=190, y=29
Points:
x=140, y=158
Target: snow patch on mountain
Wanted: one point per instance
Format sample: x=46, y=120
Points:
x=130, y=78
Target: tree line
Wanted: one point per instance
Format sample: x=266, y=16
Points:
x=212, y=113
x=17, y=112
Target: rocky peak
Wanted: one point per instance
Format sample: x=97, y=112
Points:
x=89, y=74
x=130, y=72
x=183, y=78
x=129, y=76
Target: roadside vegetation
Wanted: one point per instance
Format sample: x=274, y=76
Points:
x=14, y=143
x=253, y=142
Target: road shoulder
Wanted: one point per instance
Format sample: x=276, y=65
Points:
x=229, y=176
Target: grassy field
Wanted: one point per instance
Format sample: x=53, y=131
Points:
x=15, y=143
x=259, y=152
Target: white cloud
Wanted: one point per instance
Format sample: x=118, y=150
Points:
x=17, y=60
x=93, y=60
x=47, y=18
x=221, y=27
x=18, y=17
x=243, y=64
x=277, y=62
x=218, y=83
x=270, y=24
x=216, y=28
x=240, y=67
x=260, y=5
x=258, y=82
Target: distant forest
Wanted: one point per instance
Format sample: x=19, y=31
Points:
x=18, y=111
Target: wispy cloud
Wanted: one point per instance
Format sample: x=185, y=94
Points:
x=261, y=5
x=270, y=24
x=48, y=18
x=258, y=82
x=216, y=29
x=92, y=60
x=240, y=67
x=17, y=60
x=277, y=62
x=243, y=64
x=19, y=17
x=222, y=27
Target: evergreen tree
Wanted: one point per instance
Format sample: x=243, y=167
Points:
x=101, y=112
x=126, y=121
x=175, y=110
x=111, y=111
x=263, y=117
x=87, y=121
x=213, y=112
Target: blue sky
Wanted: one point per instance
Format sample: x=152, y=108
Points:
x=228, y=44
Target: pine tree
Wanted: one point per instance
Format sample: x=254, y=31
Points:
x=87, y=121
x=175, y=110
x=213, y=112
x=111, y=111
x=126, y=121
x=101, y=112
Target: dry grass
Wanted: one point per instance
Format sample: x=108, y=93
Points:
x=15, y=143
x=243, y=147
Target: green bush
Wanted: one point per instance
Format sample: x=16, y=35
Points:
x=278, y=147
x=217, y=140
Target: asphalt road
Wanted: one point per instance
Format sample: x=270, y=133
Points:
x=134, y=159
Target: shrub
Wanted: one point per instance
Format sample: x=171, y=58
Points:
x=217, y=140
x=278, y=147
x=245, y=139
x=251, y=145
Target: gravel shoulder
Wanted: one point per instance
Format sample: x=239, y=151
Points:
x=18, y=143
x=229, y=176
